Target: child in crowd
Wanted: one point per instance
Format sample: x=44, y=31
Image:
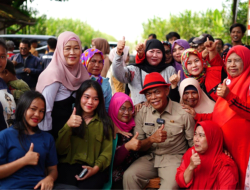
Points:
x=86, y=139
x=16, y=86
x=28, y=157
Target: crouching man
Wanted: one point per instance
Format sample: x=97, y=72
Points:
x=164, y=143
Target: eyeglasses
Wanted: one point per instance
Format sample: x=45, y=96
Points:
x=23, y=49
x=124, y=109
x=8, y=100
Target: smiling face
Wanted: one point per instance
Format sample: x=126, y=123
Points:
x=3, y=58
x=125, y=112
x=89, y=101
x=154, y=56
x=72, y=52
x=177, y=52
x=190, y=97
x=95, y=65
x=24, y=49
x=200, y=140
x=157, y=98
x=236, y=34
x=234, y=65
x=194, y=65
x=168, y=54
x=35, y=113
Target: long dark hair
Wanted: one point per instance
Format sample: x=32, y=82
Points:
x=100, y=110
x=23, y=105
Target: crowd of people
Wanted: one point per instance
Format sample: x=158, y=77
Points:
x=75, y=119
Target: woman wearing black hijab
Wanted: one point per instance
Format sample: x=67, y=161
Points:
x=135, y=74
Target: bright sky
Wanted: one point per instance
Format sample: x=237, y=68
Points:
x=120, y=18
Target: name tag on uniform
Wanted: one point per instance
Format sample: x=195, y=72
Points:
x=150, y=124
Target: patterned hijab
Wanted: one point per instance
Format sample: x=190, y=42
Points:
x=85, y=59
x=184, y=59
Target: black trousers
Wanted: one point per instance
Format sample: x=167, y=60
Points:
x=67, y=172
x=58, y=186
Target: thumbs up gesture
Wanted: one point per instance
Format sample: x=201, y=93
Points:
x=31, y=157
x=120, y=46
x=194, y=160
x=140, y=48
x=159, y=136
x=222, y=89
x=134, y=144
x=174, y=79
x=74, y=120
x=210, y=46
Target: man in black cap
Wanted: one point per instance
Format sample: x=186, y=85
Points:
x=201, y=40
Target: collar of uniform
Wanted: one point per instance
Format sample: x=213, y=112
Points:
x=168, y=108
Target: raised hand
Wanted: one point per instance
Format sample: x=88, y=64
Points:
x=210, y=46
x=194, y=160
x=120, y=46
x=174, y=79
x=74, y=120
x=134, y=144
x=222, y=89
x=159, y=136
x=140, y=48
x=31, y=157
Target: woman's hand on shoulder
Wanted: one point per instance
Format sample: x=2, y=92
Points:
x=46, y=184
x=189, y=109
x=91, y=171
x=117, y=130
x=74, y=120
x=134, y=144
x=31, y=157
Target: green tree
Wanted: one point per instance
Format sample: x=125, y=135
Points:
x=54, y=27
x=192, y=24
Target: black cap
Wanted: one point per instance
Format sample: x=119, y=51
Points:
x=203, y=38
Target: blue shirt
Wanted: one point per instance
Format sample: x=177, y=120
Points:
x=11, y=150
x=107, y=92
x=46, y=59
x=35, y=66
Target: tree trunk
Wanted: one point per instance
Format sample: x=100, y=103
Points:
x=234, y=11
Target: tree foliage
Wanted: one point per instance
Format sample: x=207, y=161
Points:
x=54, y=27
x=192, y=24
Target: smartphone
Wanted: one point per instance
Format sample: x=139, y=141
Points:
x=83, y=173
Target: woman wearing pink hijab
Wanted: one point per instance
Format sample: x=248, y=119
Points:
x=121, y=111
x=60, y=80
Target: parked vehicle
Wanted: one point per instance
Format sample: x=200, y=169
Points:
x=16, y=38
